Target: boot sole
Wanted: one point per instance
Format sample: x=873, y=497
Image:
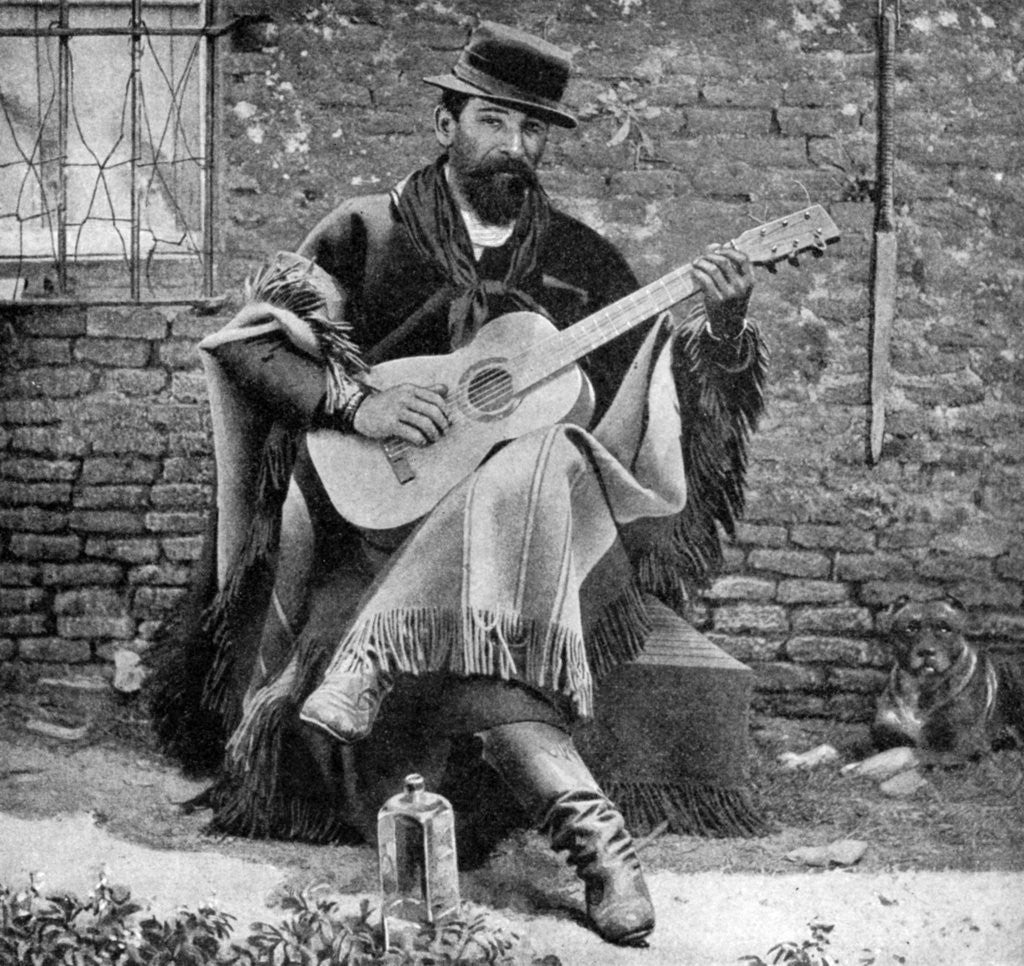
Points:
x=634, y=938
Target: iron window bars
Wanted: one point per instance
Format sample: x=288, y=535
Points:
x=116, y=171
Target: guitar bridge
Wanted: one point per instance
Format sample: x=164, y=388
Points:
x=399, y=462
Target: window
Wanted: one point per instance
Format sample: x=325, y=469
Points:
x=106, y=161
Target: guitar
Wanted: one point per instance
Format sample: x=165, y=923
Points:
x=518, y=374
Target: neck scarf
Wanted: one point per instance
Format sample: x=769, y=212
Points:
x=435, y=226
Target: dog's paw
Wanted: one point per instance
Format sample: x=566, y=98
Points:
x=885, y=764
x=821, y=755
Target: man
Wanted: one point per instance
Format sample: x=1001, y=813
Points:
x=344, y=657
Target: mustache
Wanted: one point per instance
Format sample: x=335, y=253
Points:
x=514, y=167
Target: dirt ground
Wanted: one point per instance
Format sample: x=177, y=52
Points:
x=940, y=881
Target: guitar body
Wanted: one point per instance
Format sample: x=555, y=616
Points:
x=384, y=484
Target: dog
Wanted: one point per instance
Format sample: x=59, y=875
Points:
x=946, y=699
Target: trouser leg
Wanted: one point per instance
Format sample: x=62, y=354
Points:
x=540, y=764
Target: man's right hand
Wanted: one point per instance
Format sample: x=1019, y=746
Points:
x=417, y=414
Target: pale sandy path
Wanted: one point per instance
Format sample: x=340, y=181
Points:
x=705, y=918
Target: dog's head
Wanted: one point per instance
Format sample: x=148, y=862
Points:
x=928, y=636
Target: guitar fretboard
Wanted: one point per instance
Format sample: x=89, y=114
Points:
x=577, y=341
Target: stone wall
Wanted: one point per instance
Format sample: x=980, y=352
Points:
x=699, y=119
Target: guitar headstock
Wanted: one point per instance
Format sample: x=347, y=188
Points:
x=808, y=230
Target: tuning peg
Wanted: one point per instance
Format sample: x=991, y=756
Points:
x=818, y=251
x=794, y=261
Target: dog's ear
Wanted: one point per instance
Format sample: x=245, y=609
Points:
x=886, y=614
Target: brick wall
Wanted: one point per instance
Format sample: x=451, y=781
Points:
x=737, y=112
x=106, y=474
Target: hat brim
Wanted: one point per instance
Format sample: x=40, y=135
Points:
x=552, y=115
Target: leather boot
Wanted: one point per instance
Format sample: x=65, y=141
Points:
x=348, y=700
x=542, y=767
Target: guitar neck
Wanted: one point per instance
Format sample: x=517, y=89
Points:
x=810, y=229
x=579, y=340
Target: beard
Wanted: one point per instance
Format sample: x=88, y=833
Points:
x=494, y=188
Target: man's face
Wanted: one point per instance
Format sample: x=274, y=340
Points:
x=494, y=151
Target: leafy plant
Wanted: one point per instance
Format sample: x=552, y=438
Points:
x=810, y=952
x=631, y=112
x=63, y=930
x=315, y=933
x=466, y=940
x=189, y=939
x=105, y=930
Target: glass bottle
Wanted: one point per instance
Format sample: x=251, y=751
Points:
x=419, y=874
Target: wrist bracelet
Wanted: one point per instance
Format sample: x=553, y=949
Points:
x=345, y=415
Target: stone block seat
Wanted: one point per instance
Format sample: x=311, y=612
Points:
x=669, y=740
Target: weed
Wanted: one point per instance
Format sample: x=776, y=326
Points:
x=105, y=930
x=315, y=933
x=631, y=113
x=810, y=952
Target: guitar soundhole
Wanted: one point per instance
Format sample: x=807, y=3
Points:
x=489, y=390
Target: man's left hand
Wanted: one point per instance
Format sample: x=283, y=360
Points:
x=727, y=278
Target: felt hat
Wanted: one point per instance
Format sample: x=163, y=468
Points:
x=513, y=67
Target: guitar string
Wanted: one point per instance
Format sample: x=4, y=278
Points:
x=615, y=313
x=568, y=336
x=397, y=447
x=613, y=317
